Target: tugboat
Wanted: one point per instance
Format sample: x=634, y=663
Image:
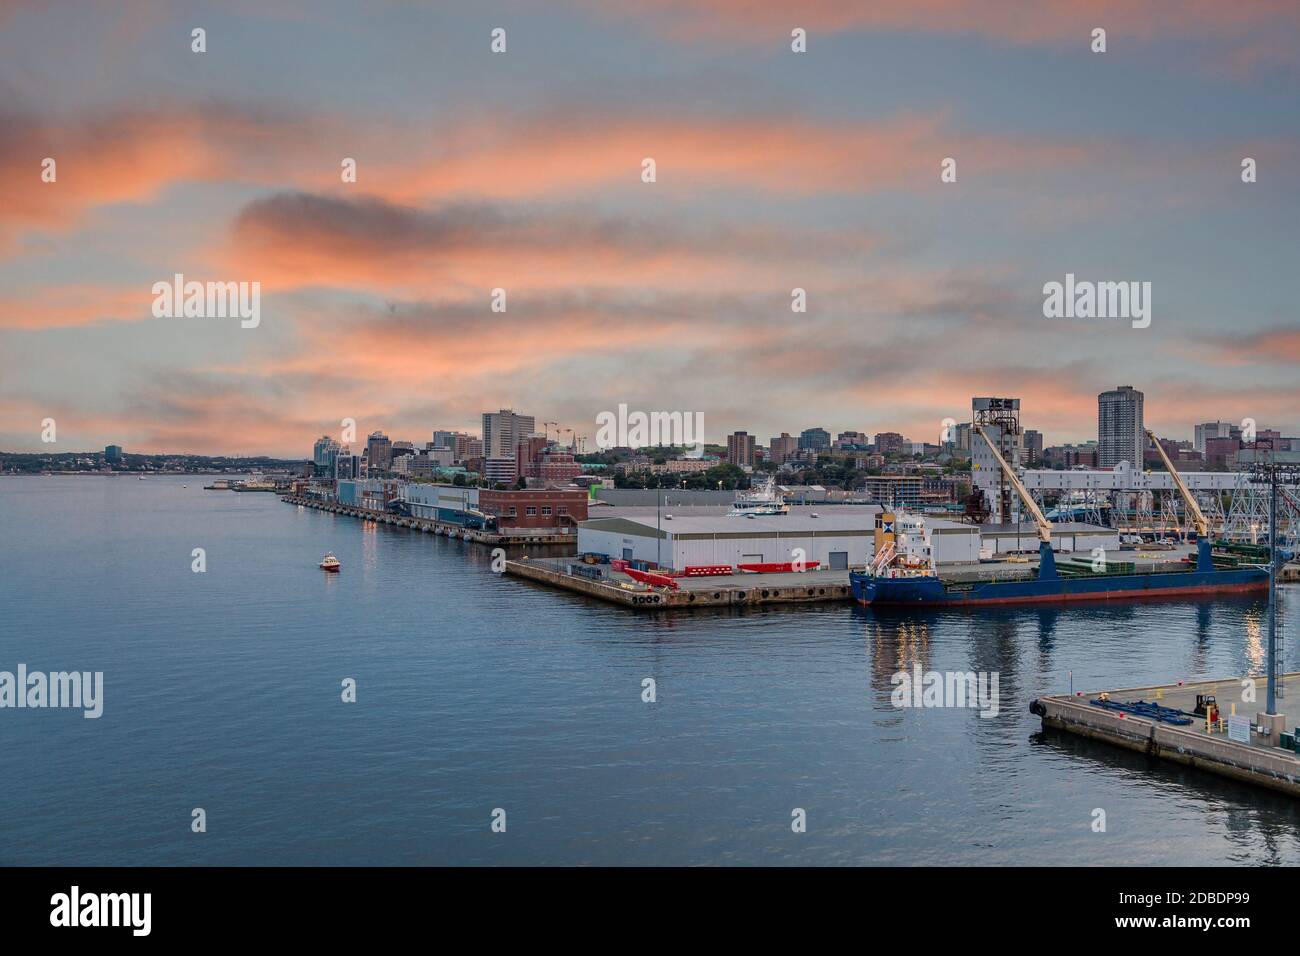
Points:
x=330, y=563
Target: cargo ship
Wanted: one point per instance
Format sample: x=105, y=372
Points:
x=899, y=576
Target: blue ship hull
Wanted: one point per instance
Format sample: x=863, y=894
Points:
x=1050, y=588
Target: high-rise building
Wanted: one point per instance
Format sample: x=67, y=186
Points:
x=1120, y=428
x=502, y=431
x=1033, y=447
x=784, y=448
x=323, y=454
x=740, y=449
x=347, y=465
x=467, y=447
x=815, y=439
x=379, y=453
x=444, y=439
x=113, y=454
x=1210, y=430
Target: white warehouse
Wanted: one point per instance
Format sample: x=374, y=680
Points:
x=835, y=540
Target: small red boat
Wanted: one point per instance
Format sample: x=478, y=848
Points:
x=330, y=563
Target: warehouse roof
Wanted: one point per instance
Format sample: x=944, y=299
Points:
x=829, y=521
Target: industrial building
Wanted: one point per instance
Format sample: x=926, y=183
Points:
x=836, y=540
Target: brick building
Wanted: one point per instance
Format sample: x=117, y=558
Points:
x=535, y=508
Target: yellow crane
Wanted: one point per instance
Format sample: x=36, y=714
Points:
x=1204, y=555
x=1193, y=509
x=1044, y=526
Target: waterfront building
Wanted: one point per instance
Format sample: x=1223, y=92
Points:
x=535, y=508
x=113, y=454
x=836, y=539
x=1121, y=434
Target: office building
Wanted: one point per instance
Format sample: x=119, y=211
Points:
x=1210, y=430
x=379, y=453
x=814, y=440
x=740, y=449
x=503, y=430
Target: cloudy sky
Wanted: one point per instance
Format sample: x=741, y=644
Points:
x=523, y=170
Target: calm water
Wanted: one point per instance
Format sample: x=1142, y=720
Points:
x=476, y=692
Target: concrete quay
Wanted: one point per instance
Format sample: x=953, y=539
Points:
x=1260, y=761
x=519, y=539
x=736, y=590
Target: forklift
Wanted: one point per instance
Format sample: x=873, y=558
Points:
x=1206, y=705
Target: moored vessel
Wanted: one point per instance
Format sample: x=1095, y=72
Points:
x=762, y=498
x=899, y=574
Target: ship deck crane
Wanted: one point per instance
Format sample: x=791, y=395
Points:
x=1204, y=559
x=1044, y=526
x=1046, y=558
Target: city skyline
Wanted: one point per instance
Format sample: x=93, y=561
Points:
x=776, y=171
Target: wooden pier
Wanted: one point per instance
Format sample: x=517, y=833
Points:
x=521, y=539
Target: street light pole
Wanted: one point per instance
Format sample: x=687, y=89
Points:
x=1274, y=691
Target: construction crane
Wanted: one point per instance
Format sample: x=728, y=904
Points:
x=1204, y=558
x=1044, y=526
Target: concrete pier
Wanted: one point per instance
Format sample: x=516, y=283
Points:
x=736, y=590
x=1259, y=762
x=521, y=539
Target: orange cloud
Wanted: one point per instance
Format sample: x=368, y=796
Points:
x=134, y=155
x=570, y=155
x=48, y=307
x=303, y=240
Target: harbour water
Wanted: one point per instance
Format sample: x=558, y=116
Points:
x=222, y=690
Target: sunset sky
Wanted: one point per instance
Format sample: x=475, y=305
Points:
x=522, y=170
